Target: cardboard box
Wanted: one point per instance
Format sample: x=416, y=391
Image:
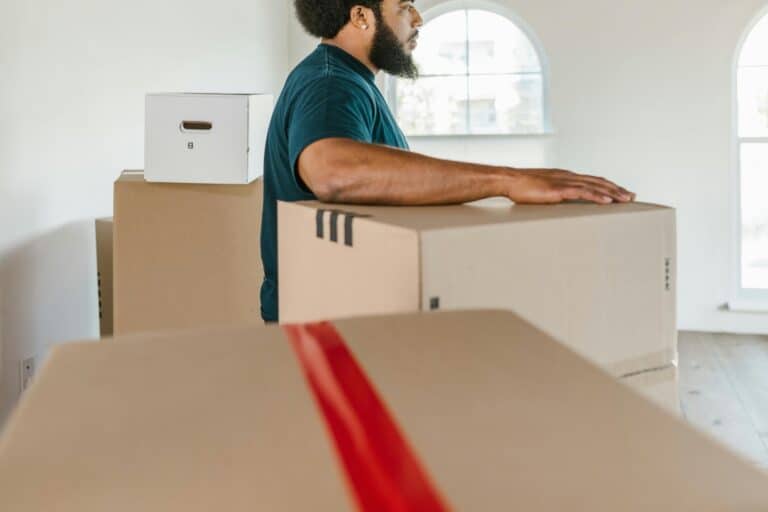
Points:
x=501, y=416
x=598, y=278
x=206, y=138
x=185, y=255
x=660, y=386
x=104, y=274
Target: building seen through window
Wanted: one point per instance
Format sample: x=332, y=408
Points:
x=479, y=74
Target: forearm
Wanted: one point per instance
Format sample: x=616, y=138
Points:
x=353, y=172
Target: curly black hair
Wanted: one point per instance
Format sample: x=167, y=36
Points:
x=325, y=18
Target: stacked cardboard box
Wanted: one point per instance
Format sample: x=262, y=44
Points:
x=598, y=278
x=104, y=274
x=501, y=416
x=186, y=239
x=185, y=255
x=205, y=138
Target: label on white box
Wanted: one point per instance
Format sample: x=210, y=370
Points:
x=206, y=138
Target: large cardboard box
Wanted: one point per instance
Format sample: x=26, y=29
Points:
x=206, y=138
x=185, y=255
x=501, y=416
x=599, y=278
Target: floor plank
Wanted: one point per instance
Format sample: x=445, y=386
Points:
x=709, y=392
x=745, y=359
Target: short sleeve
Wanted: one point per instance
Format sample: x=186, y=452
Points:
x=328, y=108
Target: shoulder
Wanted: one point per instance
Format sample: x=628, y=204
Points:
x=323, y=75
x=332, y=93
x=334, y=82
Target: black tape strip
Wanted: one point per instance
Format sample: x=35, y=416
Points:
x=319, y=227
x=334, y=226
x=348, y=218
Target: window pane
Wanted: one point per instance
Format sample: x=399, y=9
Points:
x=754, y=215
x=442, y=47
x=755, y=49
x=497, y=45
x=432, y=105
x=505, y=104
x=753, y=101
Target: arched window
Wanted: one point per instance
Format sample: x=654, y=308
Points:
x=752, y=140
x=479, y=73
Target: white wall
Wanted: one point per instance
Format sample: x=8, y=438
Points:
x=640, y=93
x=72, y=81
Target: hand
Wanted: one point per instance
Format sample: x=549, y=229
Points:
x=550, y=186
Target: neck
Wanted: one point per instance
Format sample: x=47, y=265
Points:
x=353, y=46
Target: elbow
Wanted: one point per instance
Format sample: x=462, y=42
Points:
x=325, y=181
x=327, y=189
x=328, y=171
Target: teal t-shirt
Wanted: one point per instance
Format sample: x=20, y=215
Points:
x=329, y=94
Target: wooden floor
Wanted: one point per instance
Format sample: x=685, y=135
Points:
x=724, y=389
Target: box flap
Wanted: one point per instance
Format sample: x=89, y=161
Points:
x=198, y=421
x=506, y=418
x=491, y=211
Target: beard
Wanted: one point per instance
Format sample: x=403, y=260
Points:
x=387, y=53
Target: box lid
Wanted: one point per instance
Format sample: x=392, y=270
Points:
x=502, y=416
x=485, y=212
x=130, y=176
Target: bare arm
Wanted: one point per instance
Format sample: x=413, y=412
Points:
x=346, y=171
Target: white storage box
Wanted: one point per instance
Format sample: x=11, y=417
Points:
x=206, y=138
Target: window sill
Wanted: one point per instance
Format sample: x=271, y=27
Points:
x=746, y=306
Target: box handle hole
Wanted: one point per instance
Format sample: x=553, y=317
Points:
x=196, y=126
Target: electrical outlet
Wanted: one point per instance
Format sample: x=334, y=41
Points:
x=26, y=373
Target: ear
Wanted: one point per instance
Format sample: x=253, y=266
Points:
x=361, y=17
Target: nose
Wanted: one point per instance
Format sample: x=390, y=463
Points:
x=418, y=21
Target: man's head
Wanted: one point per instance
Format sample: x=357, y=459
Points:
x=387, y=29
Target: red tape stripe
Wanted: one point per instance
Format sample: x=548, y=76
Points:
x=382, y=471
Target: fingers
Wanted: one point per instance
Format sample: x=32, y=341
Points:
x=614, y=193
x=554, y=186
x=624, y=194
x=605, y=182
x=579, y=193
x=617, y=192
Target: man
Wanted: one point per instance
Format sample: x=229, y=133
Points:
x=332, y=136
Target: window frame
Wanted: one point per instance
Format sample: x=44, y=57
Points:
x=388, y=83
x=741, y=299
